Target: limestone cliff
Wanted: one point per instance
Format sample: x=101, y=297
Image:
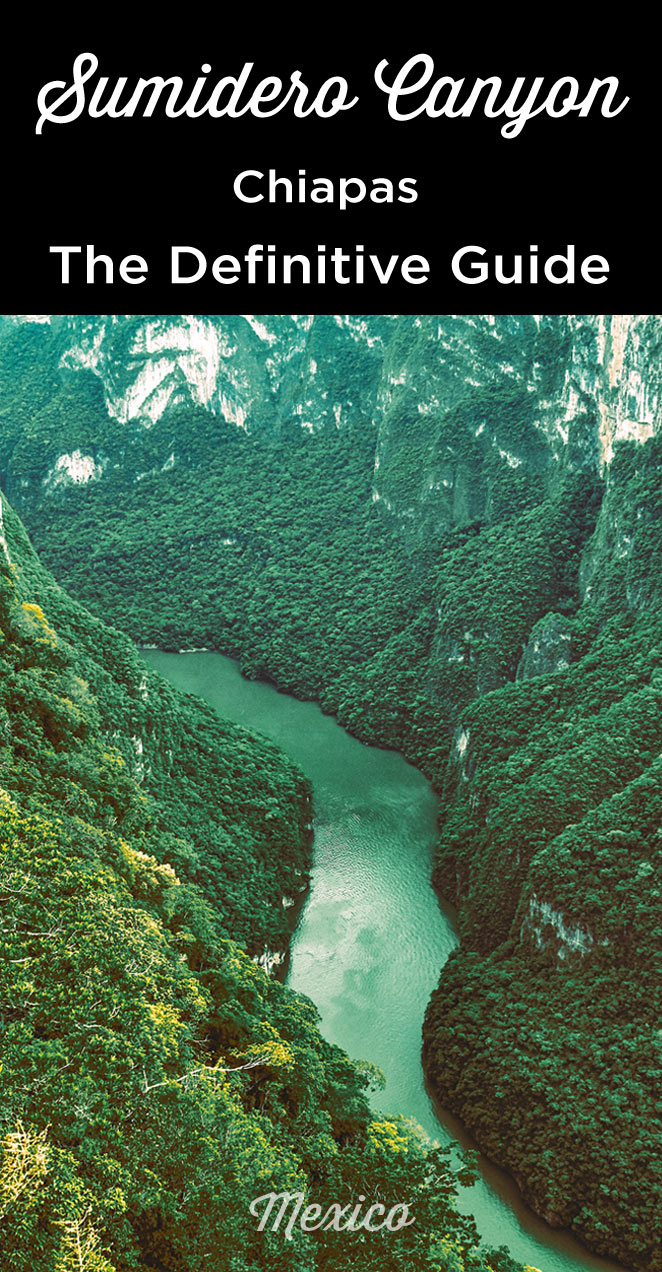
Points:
x=567, y=389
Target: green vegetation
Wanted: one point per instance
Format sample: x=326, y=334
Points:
x=154, y=1079
x=407, y=617
x=544, y=1032
x=271, y=548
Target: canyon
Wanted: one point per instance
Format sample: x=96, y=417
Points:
x=446, y=530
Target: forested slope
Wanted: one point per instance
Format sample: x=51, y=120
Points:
x=154, y=1079
x=447, y=530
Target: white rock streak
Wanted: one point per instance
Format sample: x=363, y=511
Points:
x=543, y=919
x=3, y=540
x=77, y=468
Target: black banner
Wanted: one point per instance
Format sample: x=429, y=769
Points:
x=513, y=180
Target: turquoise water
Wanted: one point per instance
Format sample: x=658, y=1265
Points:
x=372, y=937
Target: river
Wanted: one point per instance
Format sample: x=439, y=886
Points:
x=372, y=937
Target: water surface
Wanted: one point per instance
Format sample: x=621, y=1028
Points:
x=372, y=937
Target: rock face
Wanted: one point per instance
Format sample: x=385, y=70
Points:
x=549, y=927
x=457, y=402
x=548, y=648
x=254, y=371
x=472, y=421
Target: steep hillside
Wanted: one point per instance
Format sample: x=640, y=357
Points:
x=332, y=546
x=155, y=1080
x=447, y=530
x=544, y=1031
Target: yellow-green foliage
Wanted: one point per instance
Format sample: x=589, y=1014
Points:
x=80, y=1248
x=38, y=621
x=154, y=1080
x=23, y=1166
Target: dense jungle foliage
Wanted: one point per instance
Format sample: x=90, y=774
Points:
x=277, y=554
x=154, y=1079
x=559, y=790
x=544, y=1031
